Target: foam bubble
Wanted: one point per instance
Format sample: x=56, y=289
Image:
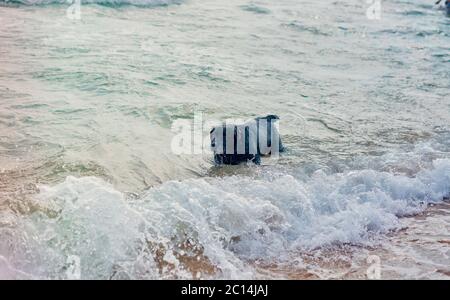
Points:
x=218, y=224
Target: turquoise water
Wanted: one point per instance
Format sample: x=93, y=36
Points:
x=86, y=109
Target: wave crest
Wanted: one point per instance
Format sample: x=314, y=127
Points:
x=101, y=2
x=219, y=224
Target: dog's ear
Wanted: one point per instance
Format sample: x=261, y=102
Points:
x=272, y=117
x=268, y=117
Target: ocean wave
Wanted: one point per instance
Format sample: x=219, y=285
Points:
x=101, y=2
x=211, y=227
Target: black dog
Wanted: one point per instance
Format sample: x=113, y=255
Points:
x=233, y=144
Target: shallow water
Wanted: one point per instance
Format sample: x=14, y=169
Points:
x=86, y=109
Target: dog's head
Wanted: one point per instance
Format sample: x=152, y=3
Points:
x=254, y=135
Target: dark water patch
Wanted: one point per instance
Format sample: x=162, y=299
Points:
x=207, y=73
x=426, y=33
x=30, y=106
x=169, y=78
x=150, y=83
x=425, y=6
x=408, y=32
x=255, y=9
x=305, y=28
x=344, y=4
x=413, y=13
x=67, y=111
x=69, y=52
x=29, y=120
x=101, y=83
x=135, y=112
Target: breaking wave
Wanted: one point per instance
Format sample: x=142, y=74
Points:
x=211, y=227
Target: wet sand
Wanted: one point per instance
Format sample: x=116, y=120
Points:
x=420, y=250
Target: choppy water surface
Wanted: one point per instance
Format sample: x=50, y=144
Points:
x=87, y=171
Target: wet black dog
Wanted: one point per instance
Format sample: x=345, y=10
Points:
x=233, y=144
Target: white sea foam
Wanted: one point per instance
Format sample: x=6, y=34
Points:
x=232, y=219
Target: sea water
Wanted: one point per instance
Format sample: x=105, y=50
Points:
x=89, y=184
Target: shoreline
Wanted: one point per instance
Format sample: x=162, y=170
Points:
x=351, y=262
x=424, y=233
